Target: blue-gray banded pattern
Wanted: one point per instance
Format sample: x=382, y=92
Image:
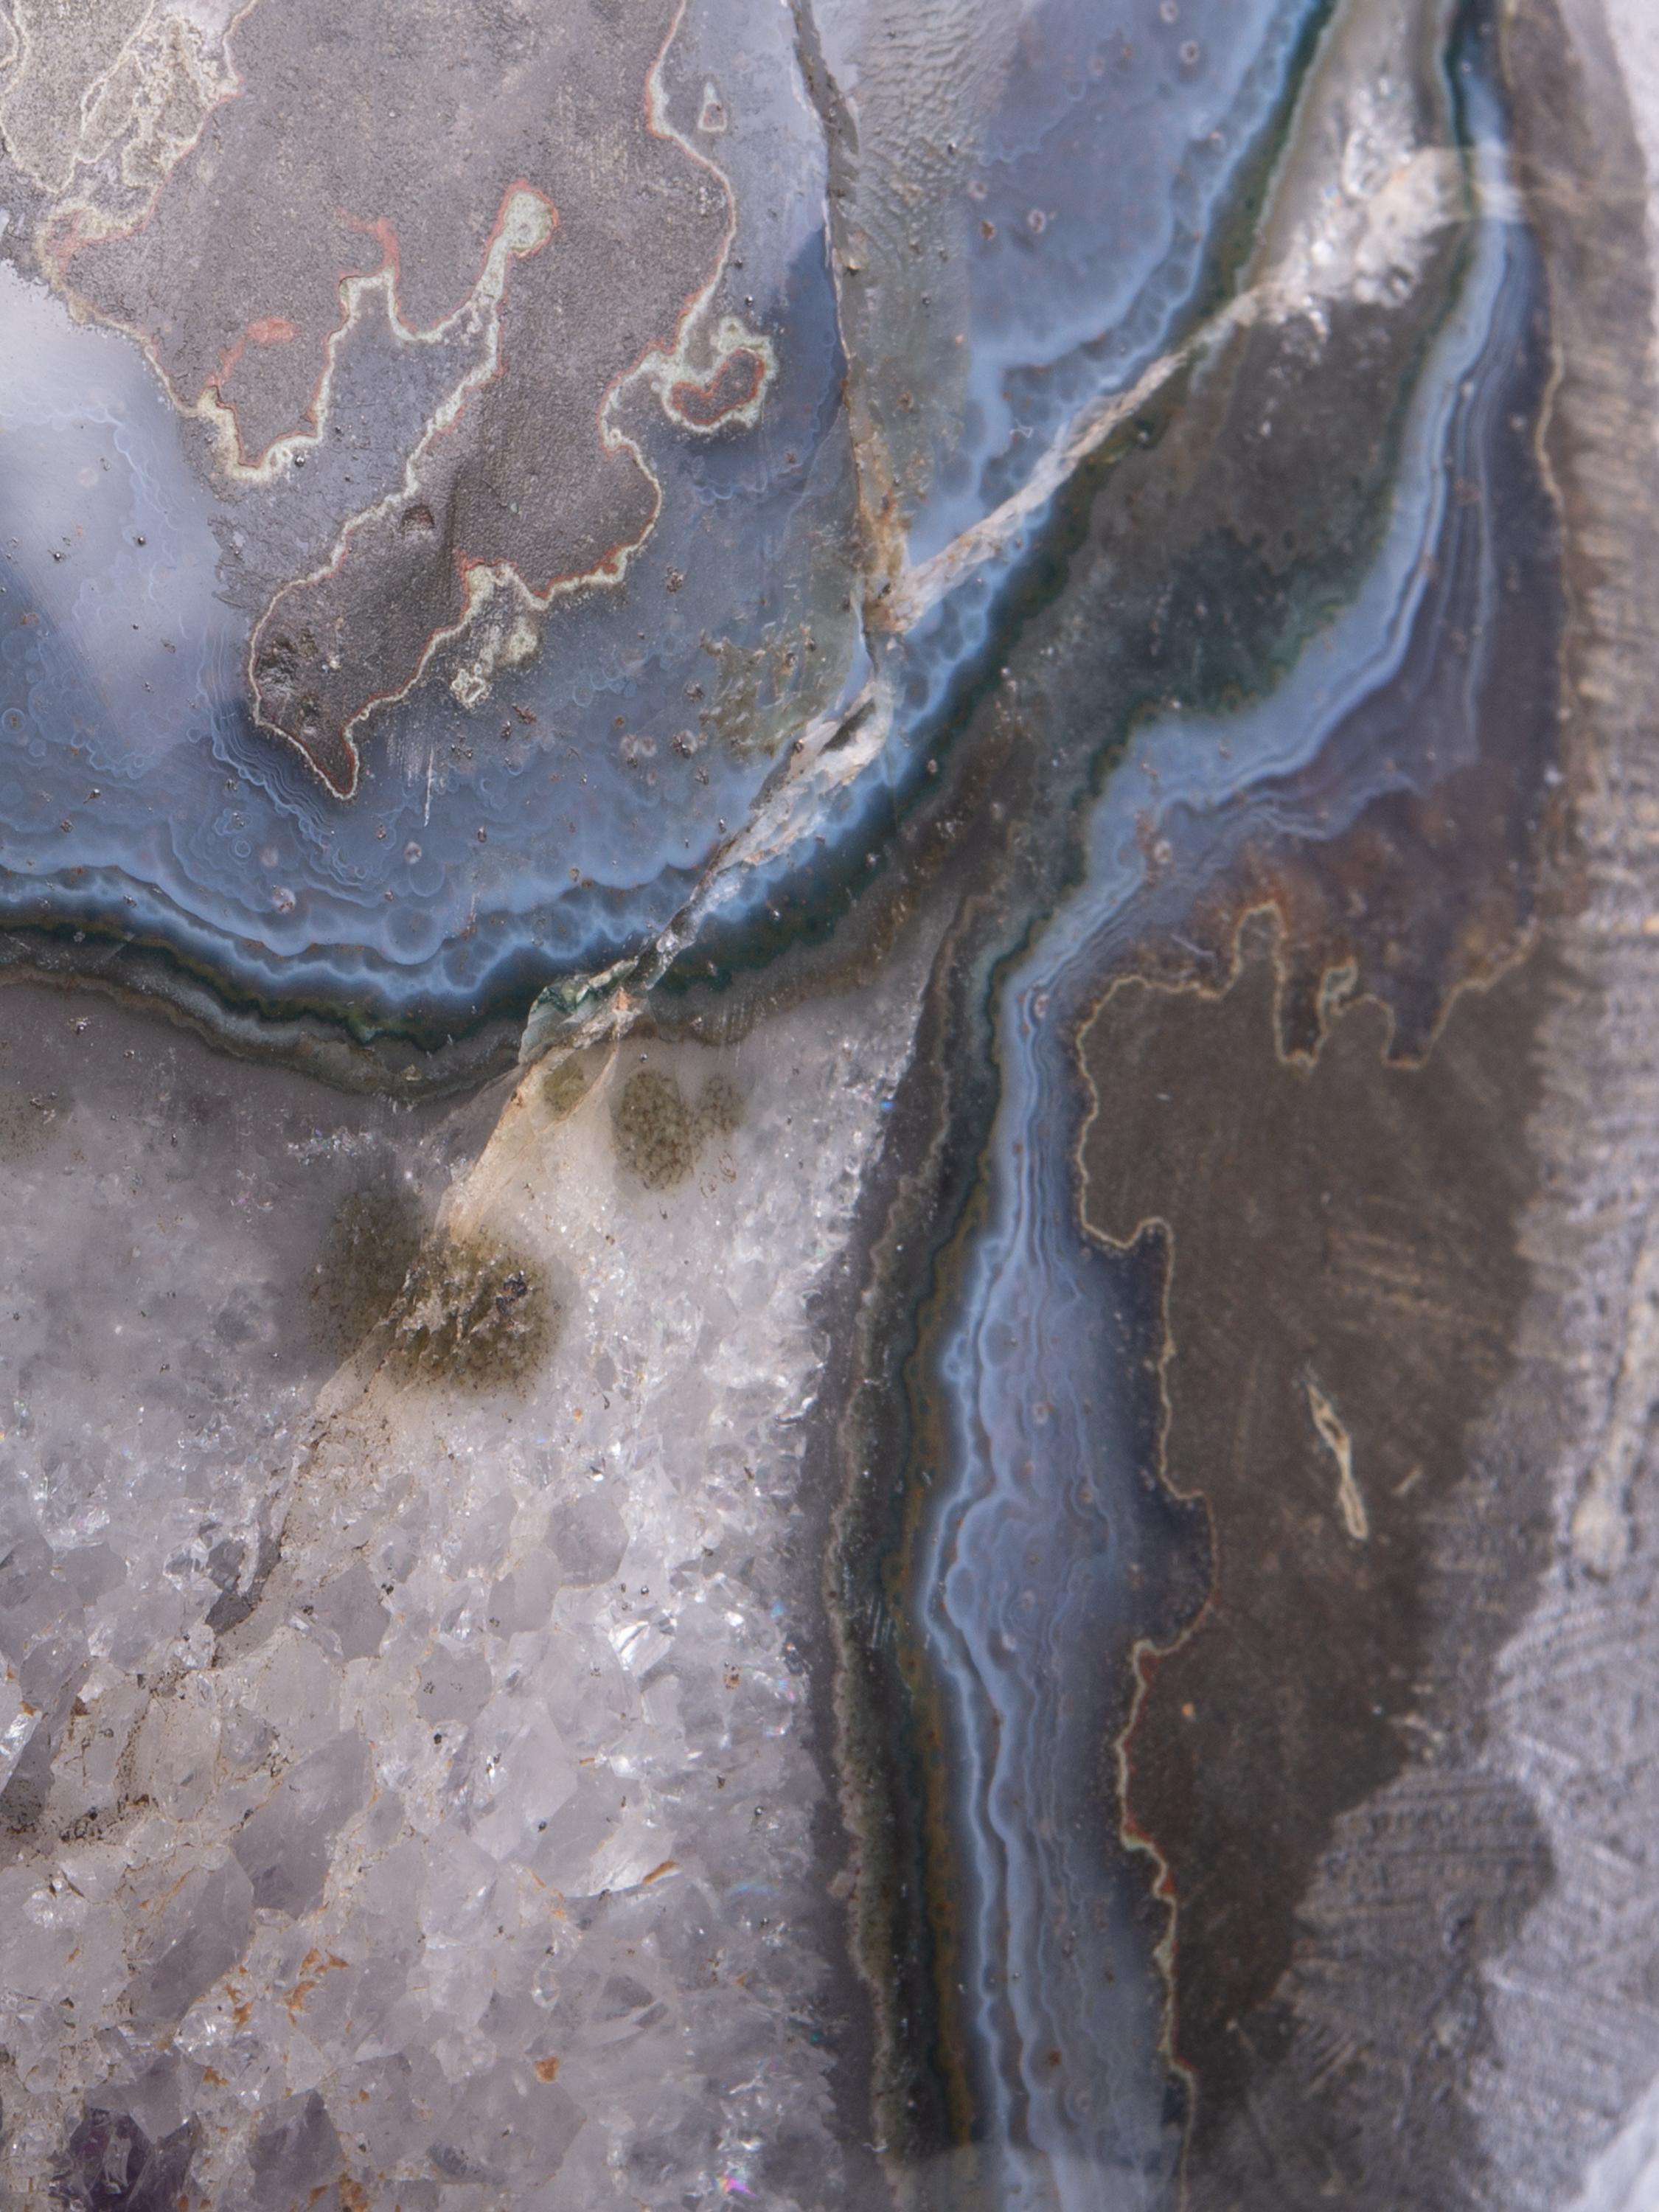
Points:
x=412, y=589
x=1048, y=1556
x=597, y=523
x=409, y=581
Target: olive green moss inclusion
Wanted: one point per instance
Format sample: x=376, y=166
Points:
x=437, y=1307
x=467, y=1310
x=372, y=1242
x=348, y=1043
x=659, y=1131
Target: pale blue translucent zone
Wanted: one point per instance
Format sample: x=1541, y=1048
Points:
x=466, y=857
x=1041, y=1511
x=122, y=712
x=1118, y=135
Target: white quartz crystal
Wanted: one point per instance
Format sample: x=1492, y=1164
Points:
x=475, y=1855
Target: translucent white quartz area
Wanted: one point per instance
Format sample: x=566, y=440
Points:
x=475, y=1864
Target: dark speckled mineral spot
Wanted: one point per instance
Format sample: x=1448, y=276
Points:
x=719, y=1106
x=567, y=1081
x=658, y=1131
x=372, y=1244
x=471, y=1313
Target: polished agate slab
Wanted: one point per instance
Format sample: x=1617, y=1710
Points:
x=829, y=907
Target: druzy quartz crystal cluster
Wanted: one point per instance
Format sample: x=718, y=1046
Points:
x=830, y=917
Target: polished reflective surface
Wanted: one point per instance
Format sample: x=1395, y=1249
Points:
x=828, y=902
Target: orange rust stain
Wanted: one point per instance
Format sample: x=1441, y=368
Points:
x=547, y=2069
x=313, y=1968
x=271, y=330
x=656, y=1874
x=381, y=231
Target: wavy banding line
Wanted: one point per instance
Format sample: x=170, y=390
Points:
x=526, y=480
x=1041, y=1523
x=61, y=108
